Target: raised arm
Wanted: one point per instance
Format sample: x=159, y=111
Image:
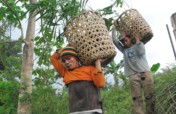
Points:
x=56, y=63
x=139, y=44
x=116, y=41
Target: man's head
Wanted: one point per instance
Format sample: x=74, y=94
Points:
x=69, y=57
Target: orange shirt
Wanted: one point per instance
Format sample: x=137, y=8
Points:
x=89, y=73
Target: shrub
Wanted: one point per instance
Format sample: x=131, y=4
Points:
x=46, y=101
x=165, y=91
x=8, y=97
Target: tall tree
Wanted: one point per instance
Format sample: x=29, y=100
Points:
x=24, y=102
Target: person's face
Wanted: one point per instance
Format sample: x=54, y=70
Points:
x=127, y=41
x=70, y=62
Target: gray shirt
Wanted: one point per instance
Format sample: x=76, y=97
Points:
x=134, y=58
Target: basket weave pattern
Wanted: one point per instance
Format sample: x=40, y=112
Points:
x=132, y=21
x=88, y=33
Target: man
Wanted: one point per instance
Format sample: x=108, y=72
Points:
x=137, y=69
x=83, y=82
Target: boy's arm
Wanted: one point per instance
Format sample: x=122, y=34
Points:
x=99, y=78
x=115, y=41
x=98, y=75
x=140, y=45
x=57, y=64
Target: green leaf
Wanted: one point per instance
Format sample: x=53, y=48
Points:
x=155, y=67
x=107, y=10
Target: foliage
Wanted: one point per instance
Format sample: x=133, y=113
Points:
x=114, y=69
x=12, y=11
x=12, y=69
x=165, y=91
x=46, y=101
x=44, y=77
x=108, y=12
x=10, y=59
x=8, y=97
x=117, y=100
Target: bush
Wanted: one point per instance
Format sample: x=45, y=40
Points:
x=46, y=101
x=9, y=97
x=165, y=91
x=117, y=100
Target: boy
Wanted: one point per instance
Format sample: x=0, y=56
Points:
x=137, y=69
x=83, y=82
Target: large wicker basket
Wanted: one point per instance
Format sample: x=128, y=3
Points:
x=88, y=33
x=132, y=21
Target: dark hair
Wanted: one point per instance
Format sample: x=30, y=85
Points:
x=133, y=40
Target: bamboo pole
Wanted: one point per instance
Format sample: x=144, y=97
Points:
x=171, y=41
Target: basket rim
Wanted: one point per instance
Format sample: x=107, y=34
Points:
x=81, y=12
x=125, y=12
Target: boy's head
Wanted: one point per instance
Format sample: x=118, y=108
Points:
x=69, y=57
x=126, y=39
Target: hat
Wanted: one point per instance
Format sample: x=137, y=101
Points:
x=69, y=50
x=123, y=35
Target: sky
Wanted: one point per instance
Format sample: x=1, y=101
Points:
x=157, y=13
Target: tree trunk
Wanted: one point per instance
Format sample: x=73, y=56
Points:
x=24, y=101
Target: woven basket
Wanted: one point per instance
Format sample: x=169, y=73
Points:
x=132, y=21
x=88, y=33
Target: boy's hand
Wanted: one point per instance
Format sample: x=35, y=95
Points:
x=138, y=37
x=58, y=51
x=98, y=64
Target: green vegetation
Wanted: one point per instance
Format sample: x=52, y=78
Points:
x=165, y=91
x=116, y=99
x=8, y=97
